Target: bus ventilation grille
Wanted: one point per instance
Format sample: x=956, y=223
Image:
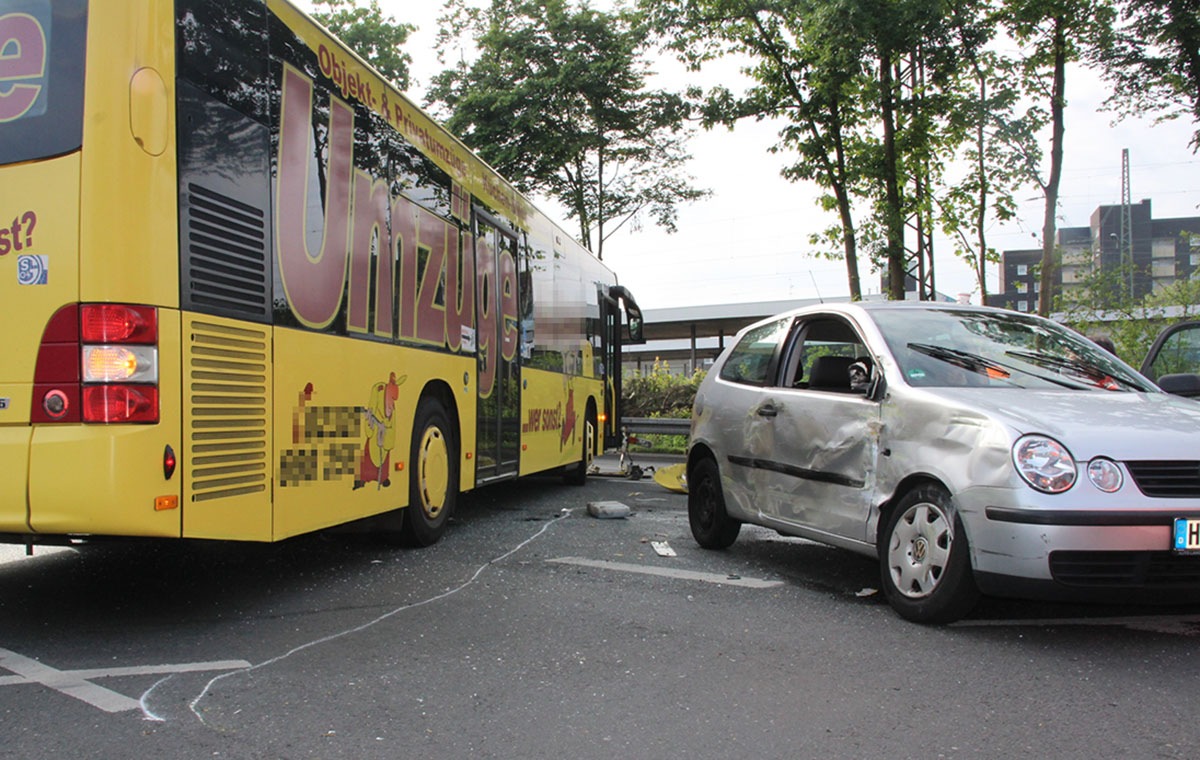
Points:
x=226, y=256
x=227, y=399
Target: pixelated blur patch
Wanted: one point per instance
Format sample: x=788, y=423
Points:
x=298, y=466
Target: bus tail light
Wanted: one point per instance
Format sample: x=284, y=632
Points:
x=120, y=364
x=118, y=323
x=98, y=363
x=120, y=403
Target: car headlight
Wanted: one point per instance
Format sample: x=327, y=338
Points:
x=1044, y=463
x=1105, y=475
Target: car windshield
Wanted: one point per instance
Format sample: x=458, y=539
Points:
x=963, y=347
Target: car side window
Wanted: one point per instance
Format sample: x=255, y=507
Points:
x=1179, y=353
x=821, y=356
x=750, y=360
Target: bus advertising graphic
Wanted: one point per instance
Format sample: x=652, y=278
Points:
x=19, y=234
x=23, y=54
x=324, y=307
x=380, y=421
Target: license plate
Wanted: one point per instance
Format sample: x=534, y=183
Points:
x=1187, y=534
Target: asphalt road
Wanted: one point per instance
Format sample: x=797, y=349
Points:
x=534, y=630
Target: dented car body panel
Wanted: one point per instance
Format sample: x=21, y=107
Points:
x=951, y=395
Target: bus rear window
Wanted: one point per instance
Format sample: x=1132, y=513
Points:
x=41, y=78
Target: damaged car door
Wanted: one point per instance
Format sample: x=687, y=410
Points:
x=825, y=429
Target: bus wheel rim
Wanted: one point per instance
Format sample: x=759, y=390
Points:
x=434, y=470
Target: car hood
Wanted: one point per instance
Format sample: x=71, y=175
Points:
x=1093, y=423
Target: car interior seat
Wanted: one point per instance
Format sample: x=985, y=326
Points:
x=830, y=373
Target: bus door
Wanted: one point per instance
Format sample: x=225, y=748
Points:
x=612, y=337
x=610, y=350
x=498, y=442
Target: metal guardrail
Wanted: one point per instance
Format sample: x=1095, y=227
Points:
x=660, y=425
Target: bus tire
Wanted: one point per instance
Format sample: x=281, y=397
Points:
x=576, y=474
x=433, y=475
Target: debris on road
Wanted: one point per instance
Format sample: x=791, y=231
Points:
x=607, y=510
x=672, y=477
x=663, y=549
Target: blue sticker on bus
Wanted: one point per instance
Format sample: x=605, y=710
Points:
x=33, y=270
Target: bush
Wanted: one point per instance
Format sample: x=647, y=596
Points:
x=658, y=393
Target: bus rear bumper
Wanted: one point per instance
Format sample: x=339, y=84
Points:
x=14, y=478
x=63, y=480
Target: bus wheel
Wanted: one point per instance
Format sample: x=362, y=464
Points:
x=576, y=474
x=433, y=475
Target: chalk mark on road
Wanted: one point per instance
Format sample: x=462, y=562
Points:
x=667, y=572
x=194, y=704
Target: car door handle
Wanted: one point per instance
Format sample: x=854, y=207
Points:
x=767, y=410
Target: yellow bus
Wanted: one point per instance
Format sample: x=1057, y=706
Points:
x=251, y=291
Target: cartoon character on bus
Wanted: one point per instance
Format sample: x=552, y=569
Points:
x=568, y=423
x=380, y=414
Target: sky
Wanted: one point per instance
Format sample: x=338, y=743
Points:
x=749, y=240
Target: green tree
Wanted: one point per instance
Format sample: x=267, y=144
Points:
x=1101, y=304
x=919, y=49
x=866, y=89
x=555, y=97
x=805, y=68
x=1154, y=61
x=369, y=33
x=999, y=138
x=1056, y=32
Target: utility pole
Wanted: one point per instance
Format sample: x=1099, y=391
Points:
x=1125, y=243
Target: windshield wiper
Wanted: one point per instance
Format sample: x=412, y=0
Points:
x=965, y=360
x=1077, y=367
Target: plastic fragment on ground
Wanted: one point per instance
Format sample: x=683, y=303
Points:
x=607, y=510
x=662, y=549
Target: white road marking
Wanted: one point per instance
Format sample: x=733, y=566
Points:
x=687, y=575
x=16, y=552
x=77, y=683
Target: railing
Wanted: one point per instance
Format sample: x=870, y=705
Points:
x=659, y=425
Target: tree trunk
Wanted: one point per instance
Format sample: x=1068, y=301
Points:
x=1057, y=106
x=893, y=221
x=850, y=246
x=981, y=173
x=600, y=192
x=841, y=192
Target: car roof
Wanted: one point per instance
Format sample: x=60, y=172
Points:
x=864, y=308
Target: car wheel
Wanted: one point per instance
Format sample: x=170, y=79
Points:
x=712, y=526
x=925, y=564
x=433, y=475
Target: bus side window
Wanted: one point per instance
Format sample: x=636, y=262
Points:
x=222, y=48
x=418, y=178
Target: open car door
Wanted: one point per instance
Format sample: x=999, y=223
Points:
x=1173, y=362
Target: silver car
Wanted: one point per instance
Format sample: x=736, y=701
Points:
x=969, y=449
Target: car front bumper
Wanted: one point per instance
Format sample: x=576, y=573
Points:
x=1078, y=552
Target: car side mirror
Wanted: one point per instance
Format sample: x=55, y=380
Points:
x=1181, y=384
